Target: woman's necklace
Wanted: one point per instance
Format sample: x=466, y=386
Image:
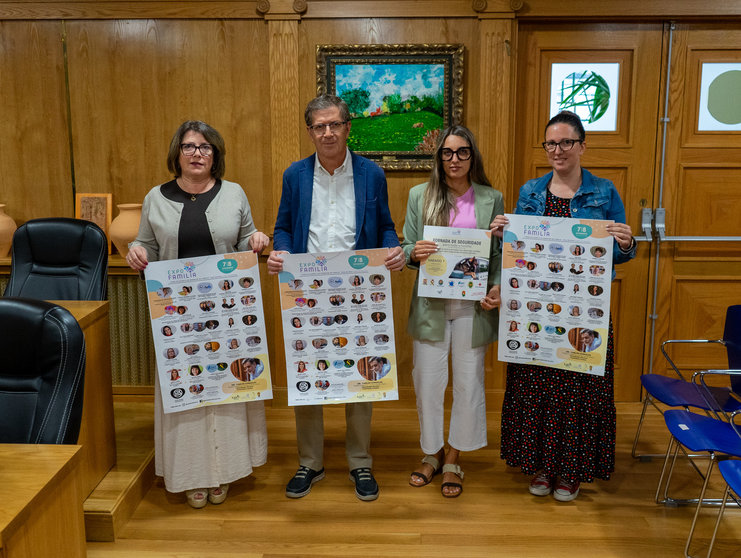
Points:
x=194, y=196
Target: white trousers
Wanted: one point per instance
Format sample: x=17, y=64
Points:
x=468, y=415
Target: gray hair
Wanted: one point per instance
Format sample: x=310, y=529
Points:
x=323, y=102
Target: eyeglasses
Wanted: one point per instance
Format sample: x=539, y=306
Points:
x=334, y=127
x=464, y=153
x=564, y=144
x=188, y=149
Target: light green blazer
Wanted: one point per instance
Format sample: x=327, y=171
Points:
x=426, y=315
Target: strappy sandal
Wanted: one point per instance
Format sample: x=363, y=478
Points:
x=433, y=462
x=456, y=470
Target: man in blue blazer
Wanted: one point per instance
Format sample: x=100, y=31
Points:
x=333, y=200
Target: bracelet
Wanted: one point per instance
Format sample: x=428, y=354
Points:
x=630, y=247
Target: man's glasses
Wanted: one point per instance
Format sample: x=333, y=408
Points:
x=188, y=149
x=564, y=144
x=334, y=127
x=464, y=153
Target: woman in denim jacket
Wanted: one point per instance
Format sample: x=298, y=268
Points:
x=559, y=425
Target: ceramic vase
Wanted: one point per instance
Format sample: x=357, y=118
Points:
x=7, y=228
x=125, y=226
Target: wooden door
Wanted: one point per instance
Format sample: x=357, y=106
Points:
x=698, y=280
x=626, y=156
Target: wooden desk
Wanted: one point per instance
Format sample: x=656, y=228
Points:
x=41, y=512
x=97, y=433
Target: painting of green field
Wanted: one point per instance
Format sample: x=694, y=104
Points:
x=392, y=132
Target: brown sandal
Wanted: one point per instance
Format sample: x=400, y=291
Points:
x=433, y=462
x=456, y=470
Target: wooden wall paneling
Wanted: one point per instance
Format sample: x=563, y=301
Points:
x=135, y=81
x=495, y=129
x=633, y=9
x=128, y=9
x=699, y=303
x=37, y=181
x=287, y=125
x=700, y=196
x=329, y=9
x=495, y=124
x=625, y=156
x=708, y=200
x=238, y=9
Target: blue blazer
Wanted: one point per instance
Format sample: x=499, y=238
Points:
x=374, y=227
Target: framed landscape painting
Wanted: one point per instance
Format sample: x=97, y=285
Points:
x=399, y=96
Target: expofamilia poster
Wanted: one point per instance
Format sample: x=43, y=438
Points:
x=338, y=327
x=209, y=330
x=556, y=276
x=460, y=267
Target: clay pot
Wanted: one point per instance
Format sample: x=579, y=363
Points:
x=125, y=226
x=7, y=228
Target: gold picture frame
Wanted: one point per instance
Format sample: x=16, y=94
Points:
x=397, y=130
x=96, y=208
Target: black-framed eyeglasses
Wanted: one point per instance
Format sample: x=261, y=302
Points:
x=564, y=144
x=334, y=127
x=188, y=149
x=463, y=153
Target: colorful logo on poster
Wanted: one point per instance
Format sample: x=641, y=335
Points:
x=581, y=231
x=188, y=271
x=358, y=261
x=541, y=229
x=227, y=265
x=317, y=266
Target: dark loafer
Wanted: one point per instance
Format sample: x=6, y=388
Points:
x=366, y=487
x=300, y=485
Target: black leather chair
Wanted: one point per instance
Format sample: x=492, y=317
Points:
x=42, y=373
x=59, y=259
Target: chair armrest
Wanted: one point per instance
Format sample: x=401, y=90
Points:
x=695, y=341
x=707, y=394
x=732, y=420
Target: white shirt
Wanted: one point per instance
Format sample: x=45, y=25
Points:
x=332, y=225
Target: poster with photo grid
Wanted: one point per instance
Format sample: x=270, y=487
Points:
x=556, y=276
x=209, y=330
x=338, y=327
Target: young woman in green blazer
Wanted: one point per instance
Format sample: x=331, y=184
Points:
x=458, y=194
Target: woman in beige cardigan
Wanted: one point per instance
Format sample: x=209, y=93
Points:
x=458, y=194
x=202, y=450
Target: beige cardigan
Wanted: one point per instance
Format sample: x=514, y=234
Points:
x=228, y=215
x=426, y=315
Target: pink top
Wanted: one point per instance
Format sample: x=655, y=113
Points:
x=463, y=215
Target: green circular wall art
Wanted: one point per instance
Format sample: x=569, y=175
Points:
x=586, y=93
x=724, y=97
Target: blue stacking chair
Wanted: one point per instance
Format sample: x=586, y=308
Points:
x=716, y=437
x=682, y=392
x=731, y=471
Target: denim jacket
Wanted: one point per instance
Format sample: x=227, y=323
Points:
x=596, y=198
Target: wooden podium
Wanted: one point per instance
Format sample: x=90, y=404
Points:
x=41, y=513
x=97, y=433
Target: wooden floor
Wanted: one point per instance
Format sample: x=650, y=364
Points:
x=495, y=515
